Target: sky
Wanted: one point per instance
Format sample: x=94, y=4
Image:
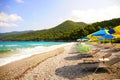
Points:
x=22, y=15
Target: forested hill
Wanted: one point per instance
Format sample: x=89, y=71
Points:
x=60, y=32
x=14, y=32
x=66, y=31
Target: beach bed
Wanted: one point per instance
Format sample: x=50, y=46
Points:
x=101, y=62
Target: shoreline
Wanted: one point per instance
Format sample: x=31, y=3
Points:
x=58, y=64
x=22, y=53
x=17, y=69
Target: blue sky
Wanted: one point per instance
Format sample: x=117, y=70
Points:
x=21, y=15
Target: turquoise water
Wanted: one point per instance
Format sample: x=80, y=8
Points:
x=12, y=51
x=6, y=46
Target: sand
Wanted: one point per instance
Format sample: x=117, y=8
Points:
x=17, y=69
x=59, y=64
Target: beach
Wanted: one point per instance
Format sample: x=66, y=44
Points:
x=59, y=64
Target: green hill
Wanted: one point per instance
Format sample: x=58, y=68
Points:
x=66, y=31
x=60, y=32
x=14, y=32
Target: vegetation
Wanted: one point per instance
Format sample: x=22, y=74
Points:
x=14, y=32
x=66, y=31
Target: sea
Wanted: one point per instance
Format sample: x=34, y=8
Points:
x=11, y=51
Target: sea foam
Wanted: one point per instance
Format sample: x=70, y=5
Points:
x=22, y=53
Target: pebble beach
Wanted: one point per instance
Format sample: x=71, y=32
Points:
x=58, y=64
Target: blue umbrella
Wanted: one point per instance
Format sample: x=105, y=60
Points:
x=100, y=38
x=86, y=38
x=111, y=31
x=101, y=32
x=108, y=36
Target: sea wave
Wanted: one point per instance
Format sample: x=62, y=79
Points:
x=11, y=45
x=21, y=53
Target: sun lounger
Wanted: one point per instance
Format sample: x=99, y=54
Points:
x=97, y=56
x=103, y=54
x=101, y=62
x=95, y=59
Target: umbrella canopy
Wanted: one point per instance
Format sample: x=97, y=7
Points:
x=116, y=35
x=93, y=38
x=86, y=38
x=101, y=32
x=79, y=39
x=100, y=38
x=108, y=36
x=111, y=31
x=83, y=39
x=115, y=30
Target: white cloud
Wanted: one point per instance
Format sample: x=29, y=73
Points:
x=4, y=24
x=93, y=15
x=9, y=20
x=19, y=1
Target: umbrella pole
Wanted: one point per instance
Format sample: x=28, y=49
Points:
x=111, y=41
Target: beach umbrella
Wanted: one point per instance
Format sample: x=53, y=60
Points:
x=115, y=31
x=79, y=39
x=93, y=38
x=111, y=31
x=116, y=35
x=85, y=38
x=100, y=38
x=108, y=36
x=101, y=32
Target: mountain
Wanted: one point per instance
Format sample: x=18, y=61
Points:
x=66, y=31
x=60, y=32
x=14, y=32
